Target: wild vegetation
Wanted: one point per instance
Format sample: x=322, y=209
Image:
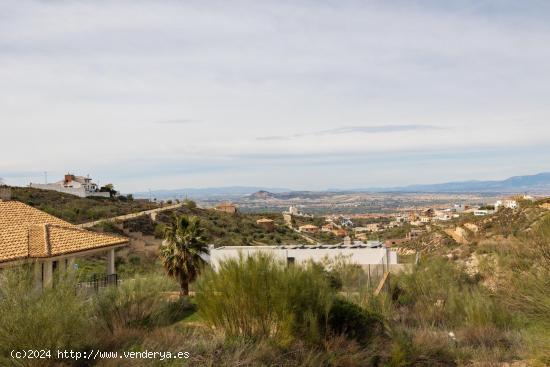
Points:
x=445, y=311
x=221, y=228
x=79, y=210
x=258, y=311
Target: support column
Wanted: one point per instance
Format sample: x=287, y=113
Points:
x=37, y=272
x=111, y=262
x=70, y=264
x=47, y=274
x=62, y=266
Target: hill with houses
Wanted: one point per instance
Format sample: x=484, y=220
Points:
x=76, y=209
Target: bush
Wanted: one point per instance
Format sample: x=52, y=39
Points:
x=437, y=293
x=135, y=303
x=424, y=348
x=260, y=297
x=354, y=322
x=33, y=319
x=190, y=204
x=110, y=227
x=159, y=230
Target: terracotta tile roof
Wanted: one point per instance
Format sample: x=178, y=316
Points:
x=26, y=232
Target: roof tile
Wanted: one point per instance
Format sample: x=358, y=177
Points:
x=26, y=232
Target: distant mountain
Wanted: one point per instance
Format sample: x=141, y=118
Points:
x=209, y=192
x=539, y=183
x=517, y=184
x=262, y=194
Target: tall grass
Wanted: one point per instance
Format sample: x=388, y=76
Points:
x=438, y=294
x=62, y=318
x=529, y=290
x=260, y=297
x=439, y=301
x=33, y=319
x=137, y=302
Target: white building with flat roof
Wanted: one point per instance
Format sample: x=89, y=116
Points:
x=509, y=204
x=483, y=212
x=360, y=254
x=81, y=186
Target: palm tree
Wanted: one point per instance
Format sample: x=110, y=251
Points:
x=181, y=250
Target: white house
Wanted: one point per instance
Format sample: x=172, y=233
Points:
x=355, y=253
x=483, y=212
x=425, y=219
x=509, y=204
x=81, y=186
x=443, y=215
x=373, y=227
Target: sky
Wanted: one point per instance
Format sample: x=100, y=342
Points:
x=295, y=94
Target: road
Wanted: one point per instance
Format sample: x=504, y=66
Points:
x=131, y=215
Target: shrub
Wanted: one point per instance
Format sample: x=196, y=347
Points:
x=424, y=348
x=260, y=297
x=190, y=204
x=143, y=224
x=110, y=227
x=159, y=230
x=134, y=303
x=437, y=293
x=33, y=319
x=354, y=322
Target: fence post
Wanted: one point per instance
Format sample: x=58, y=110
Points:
x=369, y=279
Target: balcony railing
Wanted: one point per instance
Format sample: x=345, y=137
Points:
x=98, y=282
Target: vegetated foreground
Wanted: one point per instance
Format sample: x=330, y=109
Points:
x=446, y=311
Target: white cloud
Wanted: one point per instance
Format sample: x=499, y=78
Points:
x=92, y=86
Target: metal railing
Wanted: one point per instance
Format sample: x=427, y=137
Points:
x=99, y=282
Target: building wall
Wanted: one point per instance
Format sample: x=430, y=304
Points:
x=364, y=256
x=80, y=191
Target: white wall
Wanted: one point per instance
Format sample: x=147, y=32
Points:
x=361, y=256
x=80, y=191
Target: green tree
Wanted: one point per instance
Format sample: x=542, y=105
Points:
x=182, y=249
x=110, y=189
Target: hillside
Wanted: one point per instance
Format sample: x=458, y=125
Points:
x=478, y=300
x=223, y=229
x=78, y=210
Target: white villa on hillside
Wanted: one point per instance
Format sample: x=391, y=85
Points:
x=509, y=204
x=31, y=236
x=81, y=186
x=356, y=254
x=292, y=210
x=483, y=212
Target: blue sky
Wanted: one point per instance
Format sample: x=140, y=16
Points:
x=297, y=94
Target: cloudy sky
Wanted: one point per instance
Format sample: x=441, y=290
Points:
x=295, y=94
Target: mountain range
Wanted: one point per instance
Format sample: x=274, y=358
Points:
x=532, y=183
x=538, y=183
x=207, y=192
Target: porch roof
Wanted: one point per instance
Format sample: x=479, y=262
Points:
x=27, y=232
